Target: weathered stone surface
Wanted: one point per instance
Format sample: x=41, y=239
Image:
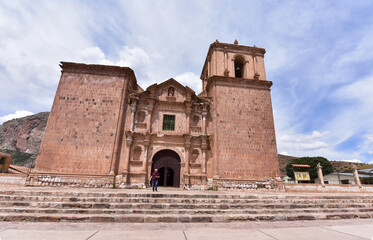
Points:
x=169, y=219
x=85, y=206
x=151, y=219
x=201, y=219
x=131, y=219
x=306, y=217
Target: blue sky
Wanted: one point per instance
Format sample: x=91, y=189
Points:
x=319, y=57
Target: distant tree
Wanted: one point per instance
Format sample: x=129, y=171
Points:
x=312, y=161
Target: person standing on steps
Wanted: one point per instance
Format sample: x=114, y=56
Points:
x=155, y=177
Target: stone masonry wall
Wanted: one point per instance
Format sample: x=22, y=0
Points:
x=244, y=130
x=81, y=129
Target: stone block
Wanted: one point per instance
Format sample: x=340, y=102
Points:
x=169, y=219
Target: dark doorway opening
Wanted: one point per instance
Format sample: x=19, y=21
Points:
x=168, y=164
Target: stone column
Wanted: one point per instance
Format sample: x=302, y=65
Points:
x=226, y=71
x=133, y=111
x=256, y=74
x=150, y=113
x=356, y=175
x=186, y=162
x=204, y=148
x=144, y=163
x=188, y=111
x=320, y=175
x=254, y=63
x=246, y=71
x=204, y=115
x=128, y=156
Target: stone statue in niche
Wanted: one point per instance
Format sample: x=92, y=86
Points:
x=171, y=92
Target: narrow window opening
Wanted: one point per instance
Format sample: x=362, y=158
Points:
x=169, y=122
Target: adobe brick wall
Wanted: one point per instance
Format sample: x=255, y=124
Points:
x=244, y=142
x=82, y=126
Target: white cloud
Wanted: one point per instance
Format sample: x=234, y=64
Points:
x=304, y=137
x=304, y=144
x=352, y=161
x=371, y=162
x=91, y=55
x=191, y=80
x=17, y=114
x=34, y=38
x=313, y=146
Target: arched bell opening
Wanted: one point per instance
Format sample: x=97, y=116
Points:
x=239, y=65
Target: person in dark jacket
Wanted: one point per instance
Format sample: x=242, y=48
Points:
x=155, y=177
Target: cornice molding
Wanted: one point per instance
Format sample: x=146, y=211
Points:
x=262, y=84
x=97, y=69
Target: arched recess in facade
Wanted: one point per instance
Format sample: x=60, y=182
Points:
x=168, y=164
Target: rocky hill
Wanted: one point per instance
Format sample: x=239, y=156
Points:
x=22, y=137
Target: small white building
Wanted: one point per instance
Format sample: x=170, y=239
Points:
x=338, y=178
x=346, y=178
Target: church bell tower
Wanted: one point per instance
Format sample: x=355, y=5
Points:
x=243, y=141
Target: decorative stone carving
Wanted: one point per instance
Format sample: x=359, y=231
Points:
x=171, y=92
x=137, y=153
x=140, y=116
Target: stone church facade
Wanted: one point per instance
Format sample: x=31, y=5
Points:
x=106, y=131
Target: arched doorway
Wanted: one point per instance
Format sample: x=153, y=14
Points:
x=168, y=164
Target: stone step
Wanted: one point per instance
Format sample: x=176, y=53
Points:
x=172, y=200
x=140, y=218
x=180, y=211
x=180, y=205
x=87, y=205
x=146, y=194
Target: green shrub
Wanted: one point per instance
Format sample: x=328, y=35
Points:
x=312, y=161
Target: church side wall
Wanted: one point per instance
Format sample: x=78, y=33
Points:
x=81, y=130
x=243, y=131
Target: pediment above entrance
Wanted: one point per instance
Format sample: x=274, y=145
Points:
x=170, y=91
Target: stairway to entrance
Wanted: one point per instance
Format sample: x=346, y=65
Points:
x=137, y=206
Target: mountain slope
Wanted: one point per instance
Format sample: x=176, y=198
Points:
x=22, y=137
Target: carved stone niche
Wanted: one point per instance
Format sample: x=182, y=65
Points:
x=194, y=156
x=195, y=125
x=136, y=155
x=140, y=118
x=171, y=94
